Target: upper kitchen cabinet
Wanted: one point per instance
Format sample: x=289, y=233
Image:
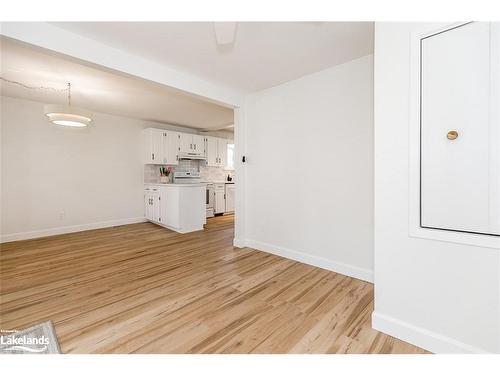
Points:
x=459, y=129
x=192, y=145
x=222, y=149
x=161, y=146
x=153, y=145
x=212, y=152
x=216, y=151
x=171, y=147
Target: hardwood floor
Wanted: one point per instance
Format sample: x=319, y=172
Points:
x=143, y=289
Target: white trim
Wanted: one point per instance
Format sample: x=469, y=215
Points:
x=414, y=228
x=239, y=243
x=313, y=260
x=421, y=337
x=69, y=229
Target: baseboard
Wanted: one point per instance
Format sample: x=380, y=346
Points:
x=421, y=337
x=238, y=242
x=68, y=229
x=313, y=260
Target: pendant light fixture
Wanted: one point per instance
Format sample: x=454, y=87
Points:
x=67, y=115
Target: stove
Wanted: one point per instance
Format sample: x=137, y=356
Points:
x=186, y=177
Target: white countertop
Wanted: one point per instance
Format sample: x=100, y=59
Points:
x=219, y=182
x=175, y=185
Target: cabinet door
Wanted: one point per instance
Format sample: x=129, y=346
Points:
x=199, y=144
x=157, y=146
x=186, y=143
x=230, y=197
x=459, y=93
x=220, y=202
x=148, y=206
x=222, y=149
x=211, y=151
x=171, y=149
x=153, y=146
x=156, y=211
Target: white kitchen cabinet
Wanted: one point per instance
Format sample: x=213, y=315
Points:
x=192, y=144
x=153, y=146
x=216, y=151
x=152, y=209
x=160, y=146
x=220, y=198
x=199, y=144
x=459, y=129
x=222, y=149
x=180, y=207
x=186, y=142
x=171, y=147
x=212, y=152
x=230, y=190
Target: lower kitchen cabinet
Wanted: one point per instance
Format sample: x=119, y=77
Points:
x=179, y=207
x=220, y=198
x=152, y=207
x=230, y=189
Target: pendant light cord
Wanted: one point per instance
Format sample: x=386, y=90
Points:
x=69, y=94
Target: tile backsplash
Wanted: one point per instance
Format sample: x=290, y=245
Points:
x=152, y=172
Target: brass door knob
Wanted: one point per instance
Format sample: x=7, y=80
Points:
x=452, y=135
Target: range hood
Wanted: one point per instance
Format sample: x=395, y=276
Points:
x=192, y=156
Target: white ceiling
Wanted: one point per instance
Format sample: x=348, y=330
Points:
x=263, y=55
x=100, y=90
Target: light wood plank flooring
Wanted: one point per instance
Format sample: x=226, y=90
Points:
x=144, y=289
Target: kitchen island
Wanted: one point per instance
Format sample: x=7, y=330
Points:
x=179, y=207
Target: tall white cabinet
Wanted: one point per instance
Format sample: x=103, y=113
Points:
x=460, y=129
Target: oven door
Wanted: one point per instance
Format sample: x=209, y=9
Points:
x=209, y=197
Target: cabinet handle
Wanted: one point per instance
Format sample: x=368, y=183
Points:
x=153, y=156
x=177, y=157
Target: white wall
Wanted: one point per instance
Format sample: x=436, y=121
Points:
x=441, y=296
x=309, y=174
x=94, y=176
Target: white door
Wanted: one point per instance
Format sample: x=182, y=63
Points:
x=199, y=144
x=222, y=150
x=220, y=201
x=186, y=143
x=211, y=151
x=459, y=93
x=171, y=149
x=230, y=197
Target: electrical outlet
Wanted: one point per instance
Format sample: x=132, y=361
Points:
x=62, y=215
